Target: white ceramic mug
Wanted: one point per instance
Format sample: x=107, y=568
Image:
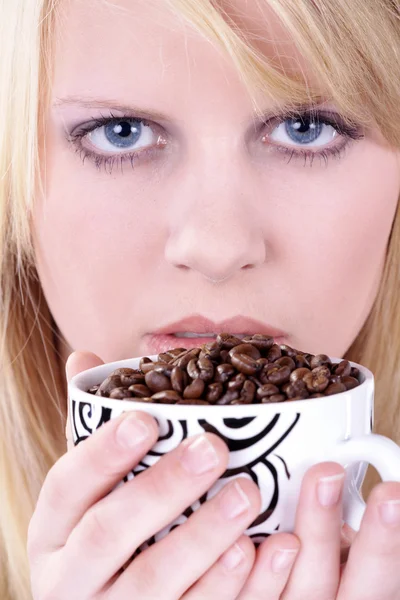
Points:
x=273, y=444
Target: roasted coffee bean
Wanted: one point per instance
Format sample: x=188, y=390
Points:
x=163, y=368
x=350, y=382
x=316, y=381
x=226, y=341
x=343, y=368
x=228, y=397
x=224, y=372
x=236, y=383
x=120, y=393
x=93, y=389
x=225, y=358
x=255, y=380
x=138, y=399
x=128, y=380
x=214, y=392
x=301, y=361
x=279, y=375
x=124, y=371
x=355, y=373
x=247, y=392
x=335, y=388
x=165, y=357
x=146, y=364
x=192, y=369
x=262, y=342
x=108, y=385
x=166, y=397
x=288, y=350
x=206, y=369
x=157, y=382
x=299, y=373
x=268, y=389
x=248, y=349
x=210, y=351
x=286, y=361
x=193, y=401
x=179, y=379
x=194, y=389
x=335, y=379
x=274, y=398
x=245, y=364
x=274, y=353
x=297, y=389
x=175, y=352
x=263, y=376
x=139, y=390
x=262, y=362
x=320, y=360
x=182, y=360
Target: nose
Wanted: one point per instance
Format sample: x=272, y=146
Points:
x=214, y=229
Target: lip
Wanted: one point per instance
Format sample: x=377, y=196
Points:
x=163, y=339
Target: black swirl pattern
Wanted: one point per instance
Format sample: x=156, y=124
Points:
x=251, y=442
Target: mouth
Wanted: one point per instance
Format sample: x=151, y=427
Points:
x=197, y=330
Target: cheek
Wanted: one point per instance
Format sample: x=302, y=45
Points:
x=340, y=237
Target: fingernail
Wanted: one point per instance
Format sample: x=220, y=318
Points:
x=234, y=501
x=329, y=489
x=390, y=512
x=233, y=557
x=131, y=432
x=283, y=559
x=199, y=456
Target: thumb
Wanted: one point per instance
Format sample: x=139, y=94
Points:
x=76, y=363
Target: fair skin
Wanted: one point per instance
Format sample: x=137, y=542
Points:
x=217, y=222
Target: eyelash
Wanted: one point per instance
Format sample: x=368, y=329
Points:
x=349, y=132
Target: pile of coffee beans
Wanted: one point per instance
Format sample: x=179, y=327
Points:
x=230, y=371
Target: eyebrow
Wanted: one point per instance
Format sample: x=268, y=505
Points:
x=110, y=104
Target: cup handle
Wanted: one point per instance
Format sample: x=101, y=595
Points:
x=382, y=453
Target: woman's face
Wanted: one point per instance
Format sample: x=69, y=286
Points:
x=224, y=222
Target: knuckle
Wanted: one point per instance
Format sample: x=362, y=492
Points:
x=56, y=488
x=96, y=531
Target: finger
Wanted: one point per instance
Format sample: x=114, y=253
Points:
x=83, y=476
x=115, y=527
x=76, y=363
x=315, y=575
x=372, y=570
x=273, y=564
x=168, y=568
x=226, y=577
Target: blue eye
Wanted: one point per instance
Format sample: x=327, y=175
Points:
x=303, y=131
x=122, y=134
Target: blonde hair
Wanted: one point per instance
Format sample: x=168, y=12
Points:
x=353, y=49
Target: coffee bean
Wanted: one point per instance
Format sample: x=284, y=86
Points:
x=262, y=342
x=120, y=393
x=355, y=372
x=268, y=389
x=124, y=371
x=350, y=382
x=139, y=390
x=320, y=360
x=288, y=350
x=286, y=361
x=195, y=389
x=138, y=399
x=299, y=373
x=248, y=392
x=225, y=358
x=165, y=357
x=301, y=362
x=214, y=392
x=166, y=397
x=193, y=401
x=226, y=341
x=182, y=360
x=192, y=369
x=279, y=375
x=146, y=364
x=224, y=372
x=128, y=380
x=163, y=368
x=206, y=369
x=274, y=398
x=274, y=353
x=179, y=379
x=343, y=368
x=335, y=388
x=157, y=382
x=322, y=371
x=93, y=389
x=175, y=352
x=297, y=389
x=228, y=397
x=108, y=385
x=247, y=349
x=316, y=382
x=210, y=351
x=245, y=364
x=335, y=379
x=236, y=383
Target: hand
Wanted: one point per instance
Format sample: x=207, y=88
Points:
x=80, y=537
x=372, y=571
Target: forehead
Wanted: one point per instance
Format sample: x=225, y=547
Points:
x=136, y=48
